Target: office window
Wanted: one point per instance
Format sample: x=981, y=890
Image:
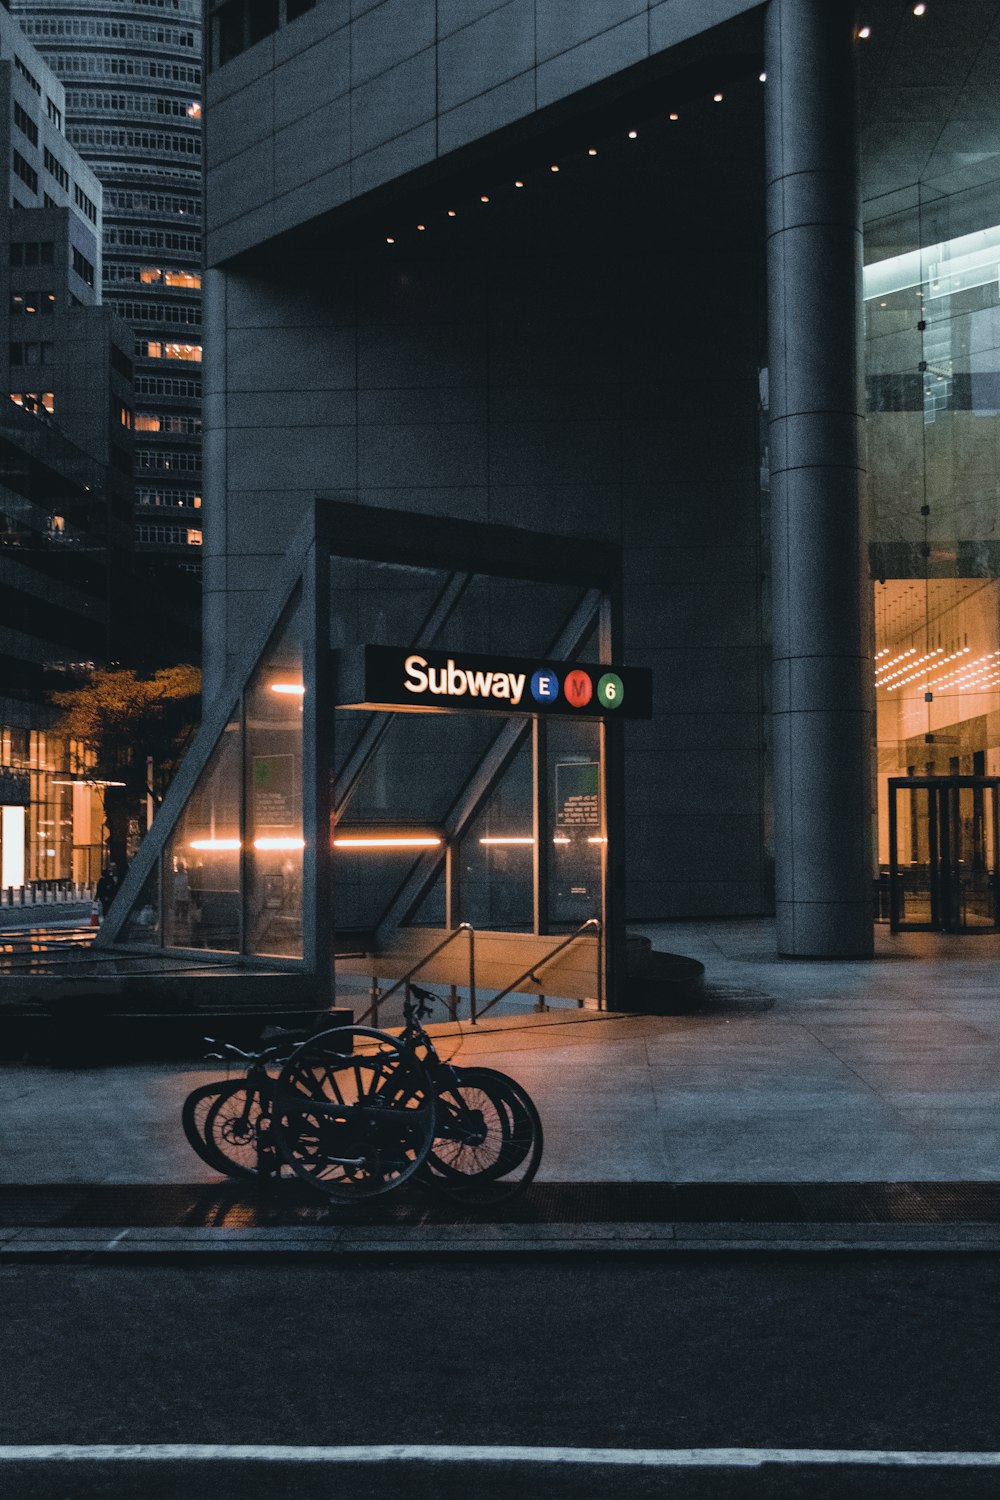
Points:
x=82, y=267
x=26, y=72
x=54, y=113
x=27, y=173
x=30, y=353
x=32, y=252
x=25, y=124
x=42, y=303
x=36, y=402
x=82, y=201
x=55, y=168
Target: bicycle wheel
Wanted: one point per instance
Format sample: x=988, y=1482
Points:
x=488, y=1140
x=353, y=1113
x=231, y=1129
x=194, y=1116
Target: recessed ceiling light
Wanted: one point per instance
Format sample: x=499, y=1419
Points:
x=484, y=198
x=519, y=184
x=717, y=98
x=553, y=169
x=421, y=226
x=592, y=151
x=451, y=213
x=675, y=117
x=389, y=240
x=864, y=32
x=762, y=77
x=919, y=10
x=633, y=135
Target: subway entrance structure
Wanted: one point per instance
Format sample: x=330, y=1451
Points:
x=416, y=761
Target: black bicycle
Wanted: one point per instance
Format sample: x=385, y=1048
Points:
x=228, y=1122
x=357, y=1112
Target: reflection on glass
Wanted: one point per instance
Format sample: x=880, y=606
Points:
x=143, y=924
x=201, y=863
x=576, y=822
x=496, y=856
x=275, y=841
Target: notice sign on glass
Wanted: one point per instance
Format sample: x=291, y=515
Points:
x=578, y=800
x=274, y=791
x=465, y=682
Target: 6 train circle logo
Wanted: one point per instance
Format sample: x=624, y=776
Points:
x=578, y=688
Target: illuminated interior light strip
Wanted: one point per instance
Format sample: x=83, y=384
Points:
x=216, y=846
x=593, y=840
x=500, y=840
x=422, y=842
x=561, y=839
x=294, y=688
x=279, y=843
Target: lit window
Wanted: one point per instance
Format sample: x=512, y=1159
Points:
x=181, y=278
x=146, y=423
x=150, y=274
x=181, y=351
x=194, y=537
x=35, y=401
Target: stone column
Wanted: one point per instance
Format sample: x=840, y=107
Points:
x=823, y=686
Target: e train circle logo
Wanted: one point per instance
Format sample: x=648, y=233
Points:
x=578, y=688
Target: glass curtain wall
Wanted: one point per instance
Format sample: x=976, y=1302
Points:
x=230, y=877
x=932, y=304
x=424, y=771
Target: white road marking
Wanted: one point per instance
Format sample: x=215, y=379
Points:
x=383, y=1453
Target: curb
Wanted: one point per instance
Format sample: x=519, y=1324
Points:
x=149, y=1245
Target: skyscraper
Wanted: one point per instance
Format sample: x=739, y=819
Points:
x=132, y=73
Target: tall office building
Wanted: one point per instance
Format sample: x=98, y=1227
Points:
x=132, y=73
x=65, y=473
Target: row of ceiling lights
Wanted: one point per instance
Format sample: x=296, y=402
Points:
x=632, y=135
x=864, y=32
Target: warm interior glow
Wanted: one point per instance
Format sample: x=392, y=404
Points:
x=717, y=98
x=215, y=846
x=296, y=689
x=596, y=840
x=421, y=841
x=864, y=33
x=279, y=843
x=501, y=840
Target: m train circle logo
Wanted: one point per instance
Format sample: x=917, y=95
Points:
x=578, y=688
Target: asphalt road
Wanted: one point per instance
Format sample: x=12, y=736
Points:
x=811, y=1351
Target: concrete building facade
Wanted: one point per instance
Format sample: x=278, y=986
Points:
x=595, y=270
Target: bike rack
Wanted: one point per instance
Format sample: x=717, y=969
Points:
x=531, y=973
x=378, y=996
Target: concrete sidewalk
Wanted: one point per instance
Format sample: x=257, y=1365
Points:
x=794, y=1071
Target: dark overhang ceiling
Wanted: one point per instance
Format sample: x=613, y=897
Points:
x=930, y=99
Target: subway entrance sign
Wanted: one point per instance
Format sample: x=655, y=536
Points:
x=423, y=681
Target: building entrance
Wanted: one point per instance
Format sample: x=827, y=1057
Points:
x=415, y=768
x=944, y=832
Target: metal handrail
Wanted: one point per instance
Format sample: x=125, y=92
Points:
x=530, y=973
x=377, y=999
